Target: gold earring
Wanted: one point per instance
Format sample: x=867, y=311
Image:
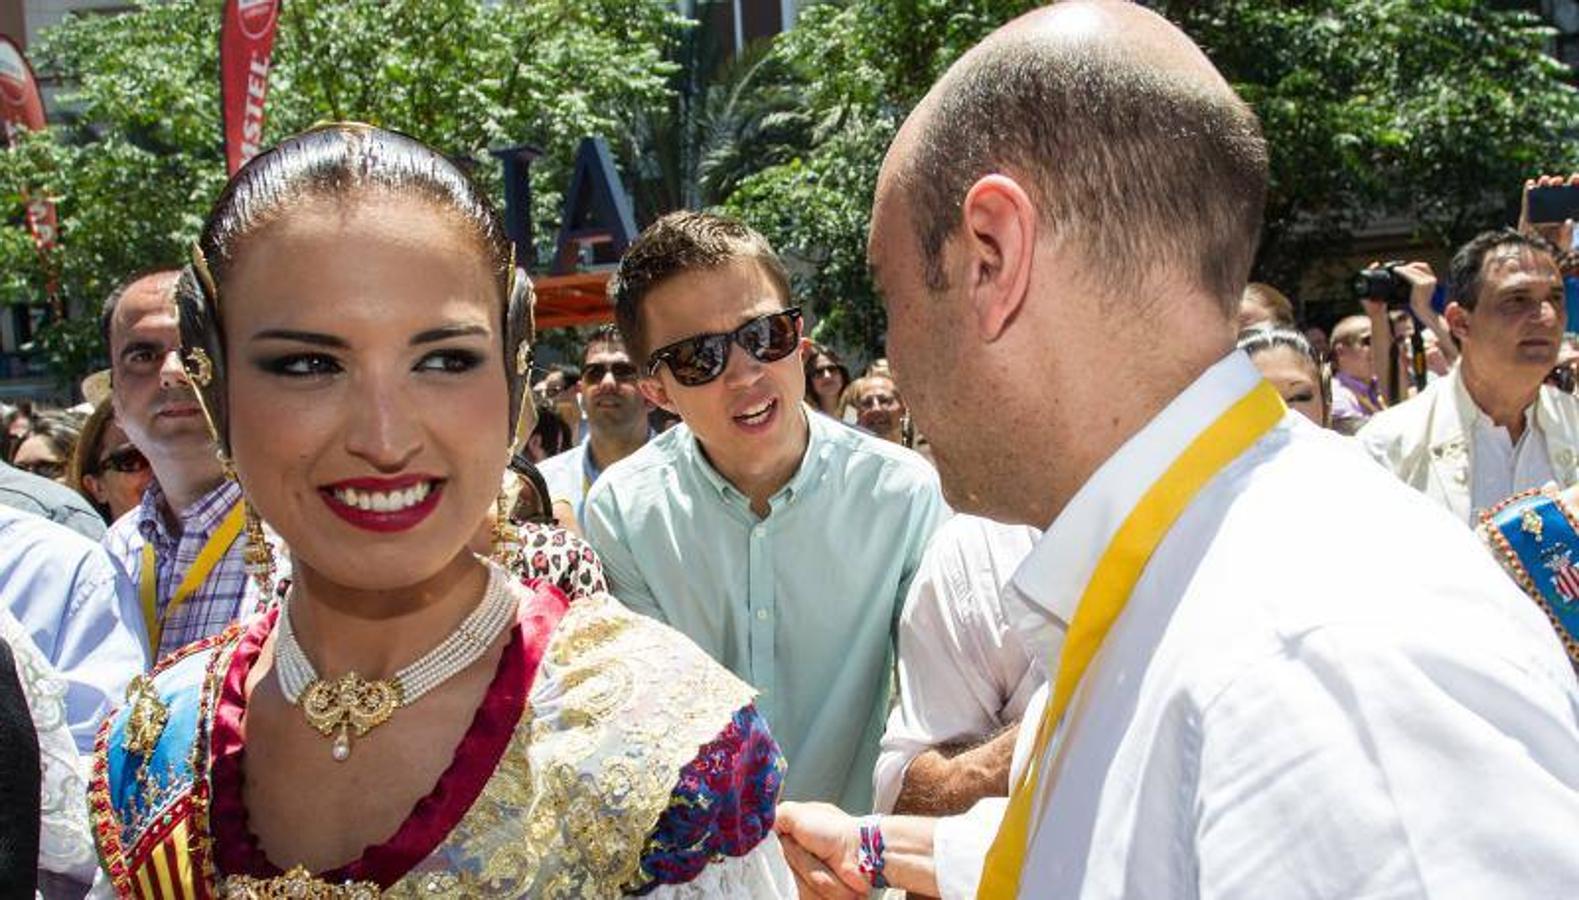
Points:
x=258, y=557
x=505, y=534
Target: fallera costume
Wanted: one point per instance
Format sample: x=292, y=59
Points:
x=609, y=757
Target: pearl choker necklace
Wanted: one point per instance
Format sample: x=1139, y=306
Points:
x=342, y=705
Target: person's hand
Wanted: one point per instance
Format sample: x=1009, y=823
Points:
x=1422, y=285
x=1559, y=233
x=822, y=846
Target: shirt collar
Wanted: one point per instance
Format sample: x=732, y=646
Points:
x=1368, y=388
x=1483, y=422
x=1048, y=585
x=817, y=436
x=200, y=519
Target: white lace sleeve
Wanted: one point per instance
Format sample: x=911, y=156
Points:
x=65, y=845
x=761, y=874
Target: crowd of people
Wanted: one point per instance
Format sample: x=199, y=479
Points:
x=327, y=598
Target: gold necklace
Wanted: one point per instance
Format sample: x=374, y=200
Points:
x=352, y=705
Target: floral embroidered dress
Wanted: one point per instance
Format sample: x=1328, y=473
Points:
x=609, y=757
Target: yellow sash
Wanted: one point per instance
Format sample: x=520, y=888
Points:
x=214, y=549
x=1111, y=582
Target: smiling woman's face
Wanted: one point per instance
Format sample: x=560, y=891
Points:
x=368, y=401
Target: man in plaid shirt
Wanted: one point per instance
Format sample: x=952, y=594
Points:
x=188, y=505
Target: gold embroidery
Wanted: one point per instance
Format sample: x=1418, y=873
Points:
x=620, y=705
x=145, y=723
x=297, y=884
x=1530, y=523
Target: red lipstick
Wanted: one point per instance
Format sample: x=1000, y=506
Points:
x=383, y=521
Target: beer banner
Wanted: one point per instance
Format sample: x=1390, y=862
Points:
x=246, y=36
x=22, y=109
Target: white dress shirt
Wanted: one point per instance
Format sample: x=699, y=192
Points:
x=1503, y=468
x=79, y=609
x=963, y=673
x=1252, y=727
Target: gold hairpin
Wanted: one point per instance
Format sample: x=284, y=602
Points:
x=200, y=265
x=201, y=368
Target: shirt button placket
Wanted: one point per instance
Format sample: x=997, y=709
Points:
x=760, y=604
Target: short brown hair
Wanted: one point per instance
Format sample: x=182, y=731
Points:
x=1130, y=166
x=682, y=242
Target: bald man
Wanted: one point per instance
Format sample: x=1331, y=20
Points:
x=1219, y=725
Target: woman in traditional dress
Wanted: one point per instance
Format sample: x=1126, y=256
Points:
x=411, y=720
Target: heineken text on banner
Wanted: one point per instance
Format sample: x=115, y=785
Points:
x=246, y=37
x=22, y=109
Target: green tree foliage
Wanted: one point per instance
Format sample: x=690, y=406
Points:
x=861, y=64
x=136, y=173
x=727, y=117
x=1431, y=109
x=1435, y=111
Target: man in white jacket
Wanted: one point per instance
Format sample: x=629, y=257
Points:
x=1489, y=428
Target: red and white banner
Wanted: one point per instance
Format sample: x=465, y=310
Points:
x=22, y=109
x=246, y=37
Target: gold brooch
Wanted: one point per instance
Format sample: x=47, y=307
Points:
x=297, y=884
x=148, y=715
x=1530, y=523
x=200, y=369
x=348, y=704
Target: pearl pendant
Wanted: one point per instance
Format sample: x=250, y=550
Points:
x=341, y=749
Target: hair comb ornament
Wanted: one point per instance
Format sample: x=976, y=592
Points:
x=199, y=367
x=200, y=266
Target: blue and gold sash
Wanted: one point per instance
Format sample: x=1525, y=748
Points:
x=1537, y=539
x=148, y=795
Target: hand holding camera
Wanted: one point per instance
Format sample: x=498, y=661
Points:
x=1397, y=285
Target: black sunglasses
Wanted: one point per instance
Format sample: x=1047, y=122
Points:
x=697, y=360
x=43, y=468
x=125, y=460
x=624, y=372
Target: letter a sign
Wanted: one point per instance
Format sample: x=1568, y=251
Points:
x=246, y=37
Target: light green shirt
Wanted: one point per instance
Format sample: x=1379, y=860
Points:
x=801, y=604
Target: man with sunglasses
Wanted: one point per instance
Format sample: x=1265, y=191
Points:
x=781, y=542
x=616, y=421
x=1356, y=391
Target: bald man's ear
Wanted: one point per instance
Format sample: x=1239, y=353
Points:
x=999, y=243
x=653, y=389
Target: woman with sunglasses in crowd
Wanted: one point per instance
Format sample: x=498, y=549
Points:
x=106, y=468
x=47, y=447
x=411, y=720
x=826, y=379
